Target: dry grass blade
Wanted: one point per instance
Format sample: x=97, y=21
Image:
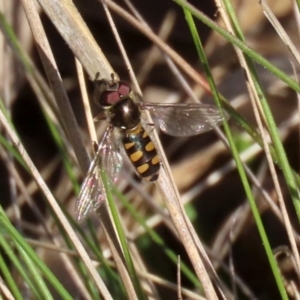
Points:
x=281, y=33
x=60, y=95
x=258, y=112
x=169, y=193
x=5, y=291
x=160, y=44
x=255, y=98
x=154, y=53
x=199, y=195
x=73, y=29
x=179, y=288
x=62, y=23
x=123, y=272
x=185, y=292
x=188, y=237
x=48, y=195
x=116, y=251
x=86, y=102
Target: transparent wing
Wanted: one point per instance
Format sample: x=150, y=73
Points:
x=107, y=159
x=180, y=119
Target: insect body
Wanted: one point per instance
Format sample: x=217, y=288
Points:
x=125, y=115
x=142, y=153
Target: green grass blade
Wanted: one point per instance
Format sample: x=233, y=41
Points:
x=6, y=274
x=122, y=237
x=272, y=127
x=235, y=153
x=29, y=253
x=35, y=274
x=113, y=279
x=241, y=45
x=14, y=43
x=159, y=241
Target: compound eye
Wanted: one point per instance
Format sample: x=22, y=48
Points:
x=108, y=98
x=124, y=89
x=114, y=94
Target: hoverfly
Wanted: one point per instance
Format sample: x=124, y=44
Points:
x=124, y=114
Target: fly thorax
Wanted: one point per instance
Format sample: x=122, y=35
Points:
x=125, y=114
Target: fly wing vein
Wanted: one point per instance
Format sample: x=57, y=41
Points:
x=93, y=193
x=186, y=119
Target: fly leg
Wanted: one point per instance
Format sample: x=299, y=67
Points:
x=95, y=147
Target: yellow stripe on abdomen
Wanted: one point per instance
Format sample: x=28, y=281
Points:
x=128, y=145
x=142, y=153
x=149, y=146
x=136, y=156
x=155, y=160
x=143, y=168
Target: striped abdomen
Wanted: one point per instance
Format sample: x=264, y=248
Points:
x=142, y=153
